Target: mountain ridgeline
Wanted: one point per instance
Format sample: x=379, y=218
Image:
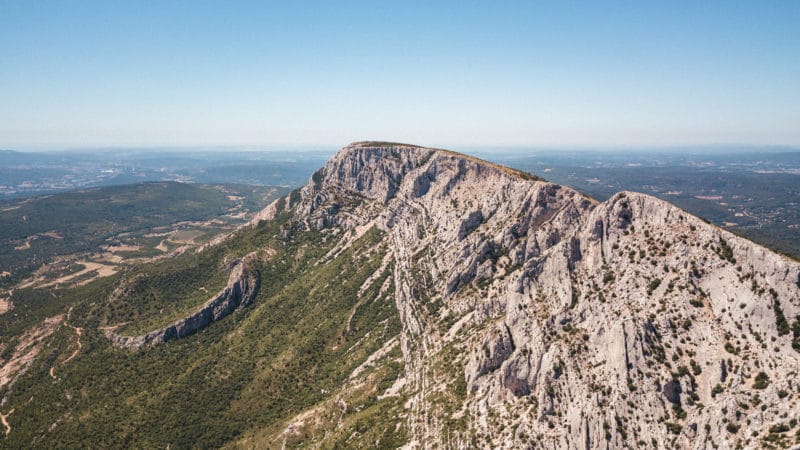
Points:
x=417, y=297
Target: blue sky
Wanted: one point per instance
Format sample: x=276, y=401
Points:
x=460, y=73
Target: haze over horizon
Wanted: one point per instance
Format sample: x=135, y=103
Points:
x=454, y=74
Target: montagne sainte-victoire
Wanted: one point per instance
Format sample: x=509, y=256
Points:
x=420, y=298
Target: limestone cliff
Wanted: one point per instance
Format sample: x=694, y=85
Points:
x=536, y=317
x=240, y=291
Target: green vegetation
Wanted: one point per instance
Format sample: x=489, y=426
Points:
x=653, y=285
x=761, y=381
x=780, y=320
x=796, y=334
x=673, y=428
x=157, y=294
x=725, y=251
x=35, y=230
x=291, y=351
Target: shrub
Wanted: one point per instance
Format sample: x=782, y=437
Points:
x=653, y=285
x=695, y=367
x=779, y=428
x=780, y=320
x=673, y=428
x=762, y=381
x=725, y=251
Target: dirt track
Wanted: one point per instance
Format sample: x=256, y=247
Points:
x=4, y=421
x=78, y=332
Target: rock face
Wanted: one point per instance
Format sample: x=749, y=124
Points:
x=240, y=291
x=534, y=316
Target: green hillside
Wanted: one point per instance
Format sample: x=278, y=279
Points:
x=242, y=379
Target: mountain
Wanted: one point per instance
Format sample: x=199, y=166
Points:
x=409, y=296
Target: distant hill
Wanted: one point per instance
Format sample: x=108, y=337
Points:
x=37, y=230
x=30, y=173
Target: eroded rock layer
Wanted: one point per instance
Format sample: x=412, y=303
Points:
x=240, y=291
x=536, y=317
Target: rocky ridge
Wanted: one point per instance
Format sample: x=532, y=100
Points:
x=241, y=289
x=535, y=317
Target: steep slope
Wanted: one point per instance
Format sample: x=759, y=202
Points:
x=417, y=297
x=534, y=316
x=320, y=335
x=242, y=287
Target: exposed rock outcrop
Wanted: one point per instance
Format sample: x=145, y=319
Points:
x=573, y=323
x=240, y=291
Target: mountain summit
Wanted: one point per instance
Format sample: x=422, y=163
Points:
x=535, y=316
x=420, y=298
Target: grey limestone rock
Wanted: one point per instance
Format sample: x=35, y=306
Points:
x=240, y=291
x=574, y=323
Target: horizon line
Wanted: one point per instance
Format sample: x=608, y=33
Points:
x=52, y=148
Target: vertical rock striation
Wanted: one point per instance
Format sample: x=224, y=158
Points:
x=534, y=316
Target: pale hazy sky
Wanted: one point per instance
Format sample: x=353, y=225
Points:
x=446, y=73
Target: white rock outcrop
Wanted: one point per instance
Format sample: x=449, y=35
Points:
x=241, y=289
x=569, y=323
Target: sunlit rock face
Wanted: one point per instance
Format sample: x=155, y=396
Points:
x=240, y=291
x=534, y=316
